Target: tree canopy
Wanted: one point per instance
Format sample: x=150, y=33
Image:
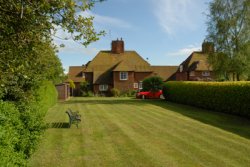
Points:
x=28, y=54
x=28, y=64
x=229, y=29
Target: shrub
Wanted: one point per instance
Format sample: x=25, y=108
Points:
x=152, y=84
x=115, y=92
x=10, y=126
x=230, y=97
x=88, y=94
x=21, y=125
x=32, y=115
x=131, y=93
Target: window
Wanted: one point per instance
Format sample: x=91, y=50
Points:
x=103, y=87
x=181, y=68
x=140, y=85
x=205, y=73
x=83, y=74
x=136, y=85
x=192, y=73
x=123, y=75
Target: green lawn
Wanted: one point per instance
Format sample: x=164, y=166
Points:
x=131, y=132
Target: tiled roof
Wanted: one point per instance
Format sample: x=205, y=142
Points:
x=105, y=62
x=197, y=61
x=75, y=73
x=165, y=72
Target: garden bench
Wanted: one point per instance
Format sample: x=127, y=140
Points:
x=74, y=117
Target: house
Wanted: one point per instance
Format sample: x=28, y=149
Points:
x=196, y=66
x=118, y=68
x=77, y=75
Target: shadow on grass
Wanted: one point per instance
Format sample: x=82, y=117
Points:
x=231, y=123
x=59, y=125
x=104, y=100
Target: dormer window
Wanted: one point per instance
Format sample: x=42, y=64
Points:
x=123, y=75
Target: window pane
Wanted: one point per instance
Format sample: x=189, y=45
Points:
x=103, y=87
x=123, y=75
x=136, y=85
x=140, y=85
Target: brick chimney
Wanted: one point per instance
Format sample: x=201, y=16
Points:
x=207, y=47
x=117, y=46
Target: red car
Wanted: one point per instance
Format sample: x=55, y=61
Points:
x=149, y=95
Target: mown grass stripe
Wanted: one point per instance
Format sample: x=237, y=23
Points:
x=127, y=132
x=147, y=131
x=147, y=147
x=194, y=138
x=204, y=139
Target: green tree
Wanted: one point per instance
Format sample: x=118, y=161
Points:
x=27, y=59
x=27, y=53
x=153, y=84
x=229, y=29
x=84, y=88
x=72, y=86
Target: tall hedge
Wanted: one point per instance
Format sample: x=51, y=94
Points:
x=21, y=125
x=230, y=97
x=10, y=126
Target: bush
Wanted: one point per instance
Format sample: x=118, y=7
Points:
x=32, y=114
x=153, y=84
x=131, y=93
x=88, y=94
x=10, y=126
x=230, y=97
x=21, y=125
x=115, y=92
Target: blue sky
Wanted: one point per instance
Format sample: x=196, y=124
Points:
x=164, y=31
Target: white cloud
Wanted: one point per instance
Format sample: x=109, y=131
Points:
x=70, y=46
x=177, y=14
x=185, y=51
x=74, y=47
x=106, y=20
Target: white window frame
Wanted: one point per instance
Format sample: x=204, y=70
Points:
x=136, y=85
x=205, y=73
x=140, y=85
x=181, y=68
x=123, y=75
x=103, y=87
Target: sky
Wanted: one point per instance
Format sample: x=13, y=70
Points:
x=164, y=32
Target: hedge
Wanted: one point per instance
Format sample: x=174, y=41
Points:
x=21, y=125
x=10, y=125
x=229, y=97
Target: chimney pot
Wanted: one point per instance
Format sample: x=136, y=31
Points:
x=117, y=46
x=207, y=47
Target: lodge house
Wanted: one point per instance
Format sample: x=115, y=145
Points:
x=125, y=70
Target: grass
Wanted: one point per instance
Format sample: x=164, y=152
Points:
x=130, y=132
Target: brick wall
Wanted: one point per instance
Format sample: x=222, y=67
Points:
x=123, y=85
x=140, y=76
x=194, y=76
x=181, y=76
x=89, y=77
